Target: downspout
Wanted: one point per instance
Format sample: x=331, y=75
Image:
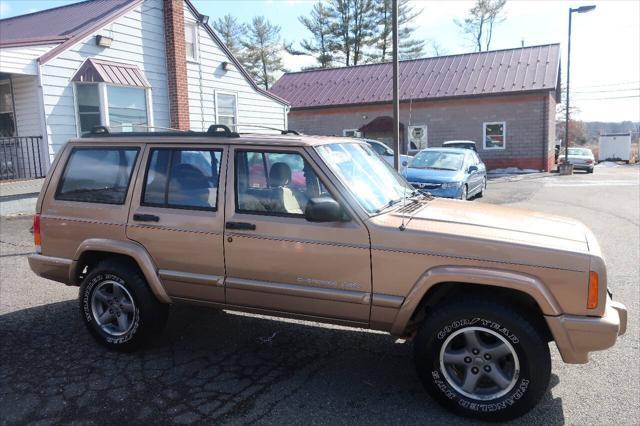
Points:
x=545, y=136
x=43, y=119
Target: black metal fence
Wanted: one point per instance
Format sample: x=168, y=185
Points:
x=22, y=158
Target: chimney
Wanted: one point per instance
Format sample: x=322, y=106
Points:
x=176, y=63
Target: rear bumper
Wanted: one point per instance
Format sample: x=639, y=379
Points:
x=576, y=336
x=51, y=268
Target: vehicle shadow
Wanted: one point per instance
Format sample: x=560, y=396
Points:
x=214, y=366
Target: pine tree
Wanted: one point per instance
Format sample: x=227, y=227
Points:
x=263, y=48
x=409, y=48
x=354, y=28
x=231, y=32
x=322, y=45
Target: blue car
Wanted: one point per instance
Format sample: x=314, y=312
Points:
x=448, y=172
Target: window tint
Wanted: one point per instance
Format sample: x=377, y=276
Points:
x=97, y=175
x=88, y=106
x=182, y=178
x=275, y=183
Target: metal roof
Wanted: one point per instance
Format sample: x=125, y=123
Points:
x=527, y=69
x=58, y=24
x=101, y=71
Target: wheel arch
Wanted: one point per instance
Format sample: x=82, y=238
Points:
x=93, y=250
x=445, y=282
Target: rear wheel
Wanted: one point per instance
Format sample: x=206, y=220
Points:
x=118, y=307
x=482, y=360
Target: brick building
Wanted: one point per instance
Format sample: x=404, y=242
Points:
x=504, y=100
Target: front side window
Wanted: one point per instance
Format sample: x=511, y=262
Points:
x=182, y=178
x=191, y=41
x=275, y=183
x=127, y=108
x=97, y=175
x=373, y=183
x=494, y=135
x=226, y=109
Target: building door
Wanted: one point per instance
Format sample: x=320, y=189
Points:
x=278, y=261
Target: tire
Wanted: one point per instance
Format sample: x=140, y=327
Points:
x=465, y=193
x=118, y=307
x=590, y=170
x=523, y=360
x=482, y=188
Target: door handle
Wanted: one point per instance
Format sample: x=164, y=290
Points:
x=146, y=217
x=241, y=226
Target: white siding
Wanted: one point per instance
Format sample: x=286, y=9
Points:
x=206, y=76
x=138, y=39
x=22, y=60
x=25, y=102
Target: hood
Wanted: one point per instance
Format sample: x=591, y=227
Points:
x=431, y=175
x=482, y=231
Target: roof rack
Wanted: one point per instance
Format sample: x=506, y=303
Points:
x=257, y=126
x=215, y=130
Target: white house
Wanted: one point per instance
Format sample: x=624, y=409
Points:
x=127, y=64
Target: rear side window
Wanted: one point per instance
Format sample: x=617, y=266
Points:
x=182, y=178
x=97, y=175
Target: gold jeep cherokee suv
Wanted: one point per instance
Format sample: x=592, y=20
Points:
x=322, y=229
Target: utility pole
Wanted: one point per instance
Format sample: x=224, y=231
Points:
x=396, y=97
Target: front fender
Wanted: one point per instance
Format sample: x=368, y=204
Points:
x=474, y=276
x=126, y=248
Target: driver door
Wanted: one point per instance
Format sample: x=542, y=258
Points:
x=278, y=261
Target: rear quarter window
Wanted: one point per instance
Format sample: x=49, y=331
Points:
x=97, y=175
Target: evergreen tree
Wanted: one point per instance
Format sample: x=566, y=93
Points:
x=322, y=45
x=355, y=28
x=231, y=32
x=409, y=48
x=262, y=51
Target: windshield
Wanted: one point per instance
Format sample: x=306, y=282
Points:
x=373, y=183
x=579, y=151
x=438, y=160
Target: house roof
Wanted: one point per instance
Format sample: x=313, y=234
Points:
x=59, y=24
x=101, y=71
x=527, y=69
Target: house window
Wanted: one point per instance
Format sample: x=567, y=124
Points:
x=7, y=122
x=191, y=39
x=122, y=108
x=88, y=100
x=226, y=110
x=494, y=135
x=352, y=133
x=127, y=108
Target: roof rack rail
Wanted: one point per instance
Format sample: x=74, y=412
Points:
x=289, y=132
x=215, y=130
x=258, y=126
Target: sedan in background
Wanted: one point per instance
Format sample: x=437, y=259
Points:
x=448, y=172
x=387, y=153
x=460, y=144
x=581, y=158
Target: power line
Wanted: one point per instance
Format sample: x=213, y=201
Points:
x=605, y=91
x=602, y=99
x=608, y=84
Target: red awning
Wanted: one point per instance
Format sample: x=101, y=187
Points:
x=101, y=71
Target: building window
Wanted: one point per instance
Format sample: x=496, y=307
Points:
x=7, y=121
x=127, y=108
x=494, y=135
x=352, y=133
x=88, y=101
x=191, y=41
x=226, y=111
x=122, y=108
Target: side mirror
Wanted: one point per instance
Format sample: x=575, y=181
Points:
x=324, y=209
x=405, y=163
x=473, y=169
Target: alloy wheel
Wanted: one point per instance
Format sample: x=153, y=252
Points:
x=113, y=308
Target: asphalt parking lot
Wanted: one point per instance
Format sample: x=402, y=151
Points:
x=227, y=368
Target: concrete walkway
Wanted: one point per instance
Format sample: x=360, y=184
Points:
x=19, y=196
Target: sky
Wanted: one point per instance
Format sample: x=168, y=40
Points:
x=605, y=49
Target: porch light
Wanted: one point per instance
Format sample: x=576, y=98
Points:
x=103, y=41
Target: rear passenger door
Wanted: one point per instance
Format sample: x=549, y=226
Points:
x=177, y=215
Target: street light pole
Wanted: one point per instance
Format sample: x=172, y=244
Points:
x=396, y=100
x=581, y=9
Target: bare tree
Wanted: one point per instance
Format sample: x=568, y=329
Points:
x=232, y=33
x=263, y=50
x=480, y=23
x=322, y=45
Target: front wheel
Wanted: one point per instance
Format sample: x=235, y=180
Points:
x=464, y=192
x=482, y=360
x=483, y=188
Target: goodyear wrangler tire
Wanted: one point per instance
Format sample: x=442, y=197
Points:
x=483, y=360
x=118, y=307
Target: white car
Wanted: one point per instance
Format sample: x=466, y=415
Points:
x=581, y=158
x=387, y=153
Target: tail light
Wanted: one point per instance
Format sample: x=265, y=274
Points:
x=592, y=298
x=589, y=161
x=37, y=241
